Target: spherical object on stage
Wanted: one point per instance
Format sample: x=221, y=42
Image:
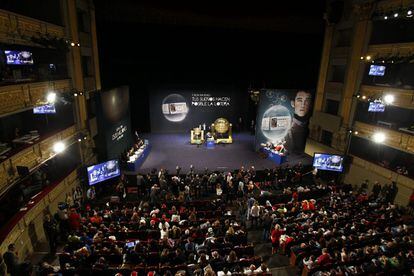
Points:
x=221, y=125
x=174, y=107
x=276, y=122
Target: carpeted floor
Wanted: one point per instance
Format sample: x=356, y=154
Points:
x=170, y=150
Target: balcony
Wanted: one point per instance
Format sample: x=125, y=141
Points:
x=340, y=52
x=31, y=156
x=334, y=88
x=15, y=98
x=404, y=98
x=18, y=29
x=395, y=139
x=391, y=49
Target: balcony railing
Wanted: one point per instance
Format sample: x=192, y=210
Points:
x=15, y=98
x=18, y=29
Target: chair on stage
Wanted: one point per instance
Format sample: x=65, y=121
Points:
x=197, y=136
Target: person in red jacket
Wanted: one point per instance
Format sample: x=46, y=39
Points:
x=325, y=258
x=74, y=220
x=275, y=237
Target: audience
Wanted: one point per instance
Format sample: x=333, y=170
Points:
x=197, y=223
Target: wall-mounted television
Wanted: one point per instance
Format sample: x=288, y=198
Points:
x=376, y=70
x=376, y=107
x=18, y=57
x=103, y=171
x=45, y=109
x=328, y=162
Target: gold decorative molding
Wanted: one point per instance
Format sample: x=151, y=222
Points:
x=334, y=87
x=391, y=49
x=402, y=97
x=395, y=139
x=340, y=52
x=391, y=5
x=14, y=98
x=364, y=11
x=89, y=84
x=17, y=29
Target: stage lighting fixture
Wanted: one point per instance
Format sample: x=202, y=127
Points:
x=364, y=97
x=358, y=96
x=385, y=17
x=368, y=57
x=362, y=58
x=59, y=147
x=378, y=137
x=72, y=44
x=51, y=97
x=389, y=99
x=356, y=132
x=395, y=15
x=75, y=94
x=79, y=140
x=409, y=13
x=78, y=44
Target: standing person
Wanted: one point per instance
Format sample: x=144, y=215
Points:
x=91, y=194
x=11, y=260
x=252, y=130
x=255, y=213
x=51, y=232
x=267, y=223
x=275, y=237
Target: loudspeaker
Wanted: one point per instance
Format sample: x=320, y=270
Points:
x=22, y=170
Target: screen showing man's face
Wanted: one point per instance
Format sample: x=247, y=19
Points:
x=302, y=103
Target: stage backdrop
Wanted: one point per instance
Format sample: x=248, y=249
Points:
x=283, y=115
x=180, y=110
x=114, y=122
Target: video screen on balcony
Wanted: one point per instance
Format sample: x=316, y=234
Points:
x=328, y=162
x=376, y=70
x=376, y=107
x=103, y=171
x=18, y=57
x=45, y=109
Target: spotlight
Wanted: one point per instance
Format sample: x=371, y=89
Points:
x=358, y=96
x=364, y=97
x=75, y=94
x=350, y=131
x=356, y=132
x=378, y=137
x=389, y=99
x=409, y=13
x=72, y=44
x=51, y=97
x=59, y=147
x=79, y=140
x=362, y=58
x=86, y=137
x=385, y=17
x=368, y=57
x=78, y=44
x=395, y=15
x=383, y=61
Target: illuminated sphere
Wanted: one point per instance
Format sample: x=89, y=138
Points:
x=279, y=114
x=171, y=113
x=221, y=125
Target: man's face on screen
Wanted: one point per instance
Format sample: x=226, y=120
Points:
x=302, y=103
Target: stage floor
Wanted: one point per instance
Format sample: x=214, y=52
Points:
x=170, y=150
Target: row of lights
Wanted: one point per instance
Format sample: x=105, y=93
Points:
x=377, y=137
x=396, y=14
x=60, y=146
x=72, y=43
x=52, y=96
x=388, y=59
x=387, y=99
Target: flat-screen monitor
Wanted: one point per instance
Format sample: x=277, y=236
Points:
x=328, y=162
x=376, y=107
x=45, y=109
x=18, y=57
x=103, y=171
x=376, y=70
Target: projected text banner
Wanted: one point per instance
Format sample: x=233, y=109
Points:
x=179, y=110
x=283, y=117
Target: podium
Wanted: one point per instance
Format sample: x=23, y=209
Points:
x=210, y=143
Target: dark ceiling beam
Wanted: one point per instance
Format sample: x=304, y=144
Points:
x=148, y=14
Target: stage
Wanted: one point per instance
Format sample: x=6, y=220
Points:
x=170, y=150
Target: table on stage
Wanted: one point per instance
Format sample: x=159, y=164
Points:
x=275, y=157
x=139, y=157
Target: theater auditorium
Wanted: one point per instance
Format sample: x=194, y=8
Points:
x=206, y=138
